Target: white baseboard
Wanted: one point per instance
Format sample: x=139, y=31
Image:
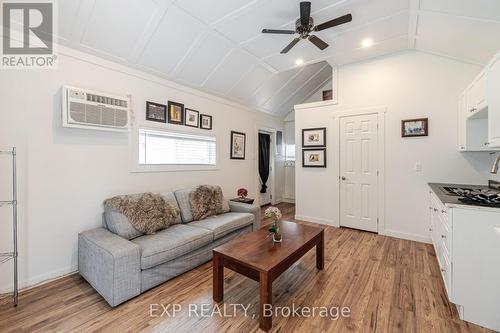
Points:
x=329, y=222
x=404, y=235
x=39, y=280
x=288, y=200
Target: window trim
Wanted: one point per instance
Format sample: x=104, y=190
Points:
x=136, y=167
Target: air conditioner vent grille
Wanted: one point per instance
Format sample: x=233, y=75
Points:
x=85, y=109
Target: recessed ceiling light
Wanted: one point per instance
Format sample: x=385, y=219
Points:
x=367, y=42
x=299, y=62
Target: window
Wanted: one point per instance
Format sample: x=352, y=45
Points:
x=289, y=152
x=170, y=148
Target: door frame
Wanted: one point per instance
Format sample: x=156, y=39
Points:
x=272, y=162
x=380, y=111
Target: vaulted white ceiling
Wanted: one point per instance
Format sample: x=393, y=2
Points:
x=217, y=45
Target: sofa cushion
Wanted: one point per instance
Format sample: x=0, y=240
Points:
x=182, y=197
x=119, y=224
x=171, y=243
x=170, y=198
x=224, y=224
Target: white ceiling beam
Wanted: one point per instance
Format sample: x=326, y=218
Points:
x=413, y=23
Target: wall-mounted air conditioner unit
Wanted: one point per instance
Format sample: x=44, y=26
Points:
x=89, y=109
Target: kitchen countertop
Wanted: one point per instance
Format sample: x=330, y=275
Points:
x=452, y=201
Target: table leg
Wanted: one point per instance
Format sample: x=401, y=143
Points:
x=266, y=301
x=218, y=277
x=320, y=252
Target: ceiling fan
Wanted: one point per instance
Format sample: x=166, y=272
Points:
x=305, y=25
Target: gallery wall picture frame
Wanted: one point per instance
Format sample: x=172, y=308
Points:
x=314, y=137
x=238, y=145
x=314, y=158
x=328, y=95
x=175, y=113
x=156, y=112
x=205, y=121
x=414, y=127
x=191, y=118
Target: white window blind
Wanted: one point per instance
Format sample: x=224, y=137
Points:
x=171, y=148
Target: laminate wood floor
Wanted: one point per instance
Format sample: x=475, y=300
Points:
x=390, y=285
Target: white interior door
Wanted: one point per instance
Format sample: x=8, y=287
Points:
x=358, y=172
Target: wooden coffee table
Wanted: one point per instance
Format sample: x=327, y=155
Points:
x=257, y=257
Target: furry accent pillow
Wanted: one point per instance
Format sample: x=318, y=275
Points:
x=205, y=201
x=147, y=212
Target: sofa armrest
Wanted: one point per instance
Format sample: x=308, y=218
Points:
x=246, y=208
x=111, y=264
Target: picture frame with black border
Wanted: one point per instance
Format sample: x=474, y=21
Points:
x=238, y=145
x=191, y=118
x=175, y=113
x=414, y=127
x=204, y=119
x=156, y=112
x=319, y=163
x=314, y=137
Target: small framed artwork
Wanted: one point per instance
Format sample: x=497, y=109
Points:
x=205, y=121
x=156, y=112
x=238, y=141
x=314, y=158
x=314, y=137
x=175, y=113
x=191, y=118
x=414, y=127
x=328, y=94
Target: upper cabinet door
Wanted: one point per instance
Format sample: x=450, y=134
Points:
x=493, y=96
x=462, y=123
x=476, y=95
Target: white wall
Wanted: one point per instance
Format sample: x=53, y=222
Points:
x=410, y=85
x=65, y=174
x=289, y=192
x=317, y=96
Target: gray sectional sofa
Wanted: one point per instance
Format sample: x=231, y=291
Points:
x=121, y=263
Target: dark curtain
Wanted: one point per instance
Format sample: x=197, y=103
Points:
x=264, y=154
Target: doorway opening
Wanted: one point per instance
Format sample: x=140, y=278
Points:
x=265, y=167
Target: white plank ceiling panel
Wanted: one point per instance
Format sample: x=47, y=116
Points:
x=171, y=41
x=121, y=31
x=217, y=45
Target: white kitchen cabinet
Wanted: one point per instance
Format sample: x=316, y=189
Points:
x=462, y=123
x=466, y=240
x=475, y=95
x=479, y=111
x=493, y=96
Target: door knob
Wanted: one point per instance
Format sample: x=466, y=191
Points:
x=343, y=178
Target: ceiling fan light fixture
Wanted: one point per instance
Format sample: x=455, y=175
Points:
x=366, y=43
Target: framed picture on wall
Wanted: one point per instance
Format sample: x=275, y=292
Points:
x=314, y=158
x=238, y=141
x=205, y=121
x=328, y=94
x=191, y=118
x=414, y=127
x=314, y=137
x=175, y=113
x=156, y=112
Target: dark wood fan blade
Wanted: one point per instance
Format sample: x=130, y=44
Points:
x=318, y=42
x=277, y=31
x=289, y=46
x=338, y=21
x=305, y=13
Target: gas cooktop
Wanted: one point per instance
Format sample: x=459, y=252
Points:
x=480, y=197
